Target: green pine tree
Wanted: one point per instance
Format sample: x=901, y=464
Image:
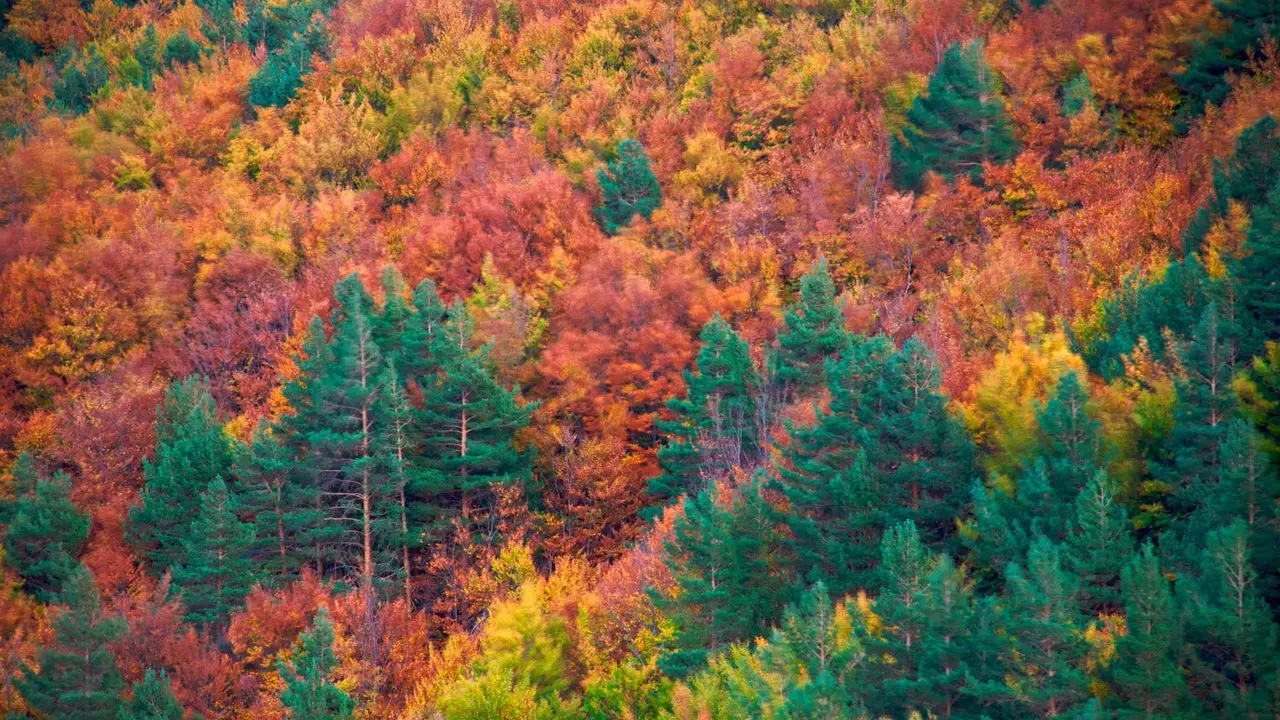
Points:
x=1219, y=54
x=1146, y=672
x=309, y=692
x=153, y=699
x=716, y=426
x=1257, y=277
x=628, y=188
x=191, y=450
x=1071, y=441
x=1245, y=178
x=812, y=333
x=1099, y=545
x=45, y=535
x=77, y=677
x=217, y=569
x=269, y=491
x=723, y=559
x=181, y=49
x=957, y=125
x=1077, y=95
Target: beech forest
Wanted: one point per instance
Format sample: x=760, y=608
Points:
x=639, y=359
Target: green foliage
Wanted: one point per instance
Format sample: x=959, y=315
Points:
x=958, y=125
x=216, y=571
x=628, y=187
x=812, y=333
x=717, y=424
x=309, y=692
x=153, y=699
x=77, y=677
x=1077, y=95
x=181, y=49
x=45, y=534
x=1245, y=178
x=1258, y=277
x=191, y=450
x=281, y=76
x=81, y=76
x=1218, y=55
x=1146, y=672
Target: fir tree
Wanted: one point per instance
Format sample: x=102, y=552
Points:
x=217, y=570
x=191, y=450
x=78, y=678
x=1219, y=54
x=628, y=188
x=153, y=699
x=957, y=125
x=723, y=562
x=1145, y=672
x=812, y=332
x=309, y=692
x=46, y=534
x=715, y=427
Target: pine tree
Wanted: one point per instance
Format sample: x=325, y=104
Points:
x=191, y=450
x=78, y=678
x=1234, y=667
x=1224, y=53
x=628, y=188
x=1099, y=545
x=957, y=125
x=723, y=562
x=1258, y=277
x=281, y=75
x=812, y=332
x=715, y=427
x=1071, y=441
x=217, y=569
x=46, y=534
x=1245, y=179
x=153, y=699
x=309, y=692
x=1045, y=657
x=269, y=492
x=471, y=421
x=181, y=49
x=815, y=650
x=1145, y=672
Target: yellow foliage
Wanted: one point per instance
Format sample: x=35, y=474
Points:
x=711, y=169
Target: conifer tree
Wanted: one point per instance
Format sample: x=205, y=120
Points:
x=217, y=569
x=1257, y=275
x=1220, y=53
x=153, y=699
x=812, y=332
x=815, y=649
x=422, y=331
x=1245, y=178
x=471, y=421
x=270, y=493
x=77, y=677
x=1099, y=544
x=1145, y=672
x=1045, y=656
x=957, y=124
x=715, y=428
x=45, y=535
x=309, y=692
x=722, y=560
x=191, y=450
x=1071, y=441
x=628, y=188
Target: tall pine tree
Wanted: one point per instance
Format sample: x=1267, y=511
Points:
x=812, y=332
x=1146, y=672
x=153, y=699
x=217, y=569
x=45, y=535
x=309, y=692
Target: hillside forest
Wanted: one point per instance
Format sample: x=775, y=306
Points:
x=639, y=359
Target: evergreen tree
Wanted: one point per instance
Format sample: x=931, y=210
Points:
x=270, y=492
x=1145, y=672
x=1234, y=666
x=715, y=427
x=1071, y=441
x=471, y=421
x=181, y=49
x=815, y=650
x=309, y=692
x=45, y=535
x=1259, y=391
x=147, y=54
x=724, y=565
x=153, y=699
x=217, y=570
x=1245, y=179
x=24, y=478
x=628, y=188
x=1077, y=95
x=281, y=75
x=422, y=331
x=1045, y=656
x=82, y=75
x=191, y=450
x=957, y=125
x=1100, y=543
x=1219, y=54
x=78, y=678
x=1257, y=275
x=812, y=332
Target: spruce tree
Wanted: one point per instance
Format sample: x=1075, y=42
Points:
x=153, y=699
x=45, y=535
x=812, y=332
x=723, y=563
x=1219, y=54
x=628, y=188
x=191, y=450
x=77, y=677
x=217, y=570
x=715, y=427
x=1146, y=672
x=957, y=125
x=309, y=692
x=471, y=421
